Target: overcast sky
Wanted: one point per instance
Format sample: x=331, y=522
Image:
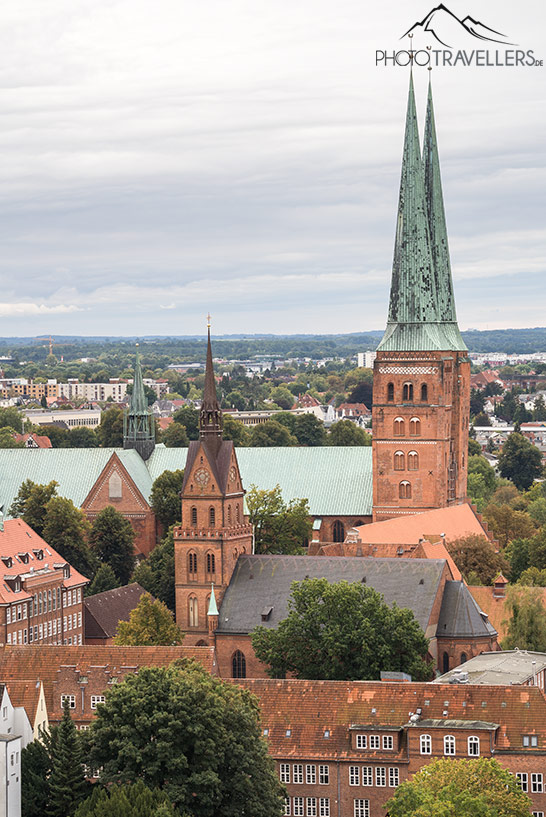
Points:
x=162, y=159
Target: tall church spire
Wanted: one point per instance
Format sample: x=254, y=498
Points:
x=415, y=319
x=210, y=417
x=138, y=427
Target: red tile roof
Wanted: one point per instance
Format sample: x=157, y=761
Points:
x=455, y=522
x=25, y=694
x=496, y=607
x=41, y=440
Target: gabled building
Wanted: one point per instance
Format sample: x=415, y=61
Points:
x=104, y=611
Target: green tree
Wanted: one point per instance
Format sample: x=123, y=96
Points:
x=474, y=448
x=477, y=402
x=105, y=579
x=527, y=622
x=110, y=430
x=508, y=524
x=475, y=554
x=539, y=411
x=479, y=787
x=12, y=418
x=150, y=624
x=282, y=397
x=520, y=461
x=31, y=502
x=66, y=529
x=271, y=434
x=149, y=393
x=82, y=437
x=342, y=632
x=59, y=437
x=481, y=419
x=156, y=573
x=537, y=510
x=7, y=438
x=345, y=432
x=112, y=539
x=235, y=400
x=481, y=481
x=43, y=401
x=175, y=436
x=309, y=430
x=533, y=577
x=131, y=800
x=537, y=550
x=67, y=786
x=278, y=527
x=189, y=418
x=517, y=553
x=165, y=497
x=196, y=738
x=235, y=430
x=35, y=769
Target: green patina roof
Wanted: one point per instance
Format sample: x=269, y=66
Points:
x=336, y=481
x=421, y=308
x=138, y=405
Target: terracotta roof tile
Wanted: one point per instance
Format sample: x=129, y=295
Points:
x=454, y=522
x=25, y=694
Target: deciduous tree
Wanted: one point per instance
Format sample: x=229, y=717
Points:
x=520, y=461
x=66, y=529
x=271, y=434
x=476, y=554
x=131, y=800
x=527, y=619
x=235, y=430
x=342, y=631
x=150, y=624
x=31, y=502
x=189, y=418
x=156, y=573
x=508, y=524
x=105, y=579
x=345, y=432
x=112, y=539
x=175, y=436
x=165, y=496
x=110, y=430
x=278, y=527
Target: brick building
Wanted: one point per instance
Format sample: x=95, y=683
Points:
x=41, y=596
x=341, y=748
x=104, y=611
x=421, y=371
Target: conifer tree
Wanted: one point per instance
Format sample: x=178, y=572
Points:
x=35, y=767
x=105, y=579
x=112, y=539
x=67, y=785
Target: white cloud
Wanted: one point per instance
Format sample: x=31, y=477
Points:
x=16, y=310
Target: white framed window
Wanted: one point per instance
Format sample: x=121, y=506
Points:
x=380, y=776
x=361, y=741
x=367, y=776
x=71, y=701
x=323, y=775
x=20, y=637
x=449, y=745
x=361, y=808
x=530, y=740
x=284, y=770
x=24, y=611
x=354, y=776
x=99, y=699
x=374, y=742
x=9, y=638
x=41, y=630
x=287, y=810
x=537, y=813
x=311, y=775
x=388, y=742
x=311, y=807
x=54, y=626
x=473, y=746
x=35, y=632
x=297, y=773
x=425, y=745
x=79, y=619
x=19, y=613
x=8, y=615
x=49, y=627
x=523, y=780
x=25, y=636
x=537, y=785
x=324, y=807
x=298, y=806
x=394, y=777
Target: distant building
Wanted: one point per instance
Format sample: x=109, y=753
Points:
x=504, y=667
x=365, y=359
x=71, y=418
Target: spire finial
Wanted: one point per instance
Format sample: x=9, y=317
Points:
x=208, y=320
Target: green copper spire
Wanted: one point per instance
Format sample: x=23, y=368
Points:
x=138, y=424
x=415, y=322
x=213, y=608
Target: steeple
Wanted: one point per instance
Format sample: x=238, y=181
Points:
x=210, y=417
x=416, y=317
x=138, y=424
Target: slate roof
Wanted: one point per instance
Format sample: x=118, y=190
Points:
x=460, y=616
x=309, y=708
x=301, y=472
x=505, y=667
x=104, y=611
x=265, y=581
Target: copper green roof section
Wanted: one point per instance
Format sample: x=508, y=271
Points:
x=437, y=225
x=415, y=322
x=138, y=425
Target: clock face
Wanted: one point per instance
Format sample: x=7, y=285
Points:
x=202, y=477
x=232, y=474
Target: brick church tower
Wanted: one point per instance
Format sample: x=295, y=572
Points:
x=214, y=530
x=421, y=373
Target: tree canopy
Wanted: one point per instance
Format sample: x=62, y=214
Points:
x=520, y=461
x=342, y=632
x=345, y=432
x=271, y=434
x=475, y=554
x=112, y=539
x=156, y=573
x=189, y=418
x=278, y=527
x=527, y=619
x=66, y=783
x=110, y=430
x=165, y=496
x=479, y=787
x=31, y=502
x=105, y=579
x=180, y=730
x=131, y=800
x=66, y=529
x=150, y=624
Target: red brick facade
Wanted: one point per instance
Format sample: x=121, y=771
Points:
x=420, y=431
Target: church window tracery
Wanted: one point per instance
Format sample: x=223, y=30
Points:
x=399, y=461
x=407, y=393
x=193, y=612
x=413, y=461
x=211, y=563
x=404, y=490
x=238, y=665
x=415, y=427
x=399, y=427
x=212, y=517
x=194, y=516
x=338, y=531
x=192, y=565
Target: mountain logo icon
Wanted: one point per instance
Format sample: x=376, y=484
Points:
x=446, y=27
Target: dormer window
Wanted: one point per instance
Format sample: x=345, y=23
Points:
x=39, y=554
x=8, y=561
x=23, y=557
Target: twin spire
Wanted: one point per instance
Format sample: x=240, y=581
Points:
x=422, y=307
x=138, y=423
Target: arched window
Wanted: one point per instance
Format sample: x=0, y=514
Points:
x=413, y=461
x=229, y=514
x=404, y=490
x=211, y=563
x=237, y=515
x=390, y=392
x=114, y=486
x=338, y=531
x=192, y=565
x=399, y=427
x=449, y=745
x=425, y=745
x=193, y=612
x=415, y=427
x=212, y=517
x=238, y=665
x=463, y=658
x=399, y=461
x=424, y=393
x=473, y=746
x=194, y=516
x=445, y=662
x=407, y=393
